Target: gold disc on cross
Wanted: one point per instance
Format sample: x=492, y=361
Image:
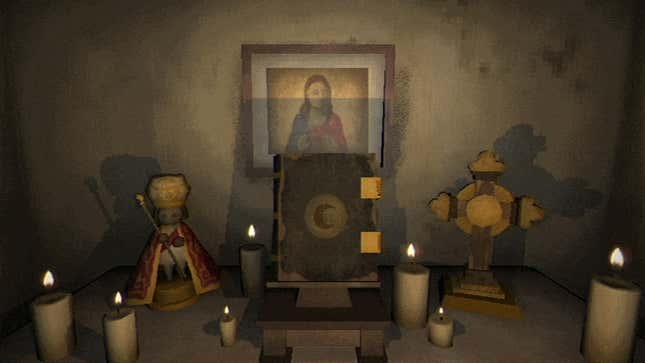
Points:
x=484, y=211
x=326, y=216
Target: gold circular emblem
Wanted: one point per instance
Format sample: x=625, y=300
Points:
x=326, y=216
x=484, y=211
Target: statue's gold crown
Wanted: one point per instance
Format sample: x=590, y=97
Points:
x=169, y=191
x=486, y=162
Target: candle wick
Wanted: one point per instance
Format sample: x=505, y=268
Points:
x=49, y=288
x=615, y=271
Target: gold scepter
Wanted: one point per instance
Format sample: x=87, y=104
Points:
x=142, y=203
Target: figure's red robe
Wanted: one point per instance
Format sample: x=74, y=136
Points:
x=205, y=274
x=332, y=128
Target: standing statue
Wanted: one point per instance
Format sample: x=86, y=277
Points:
x=175, y=246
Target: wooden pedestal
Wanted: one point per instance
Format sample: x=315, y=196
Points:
x=330, y=297
x=487, y=298
x=286, y=325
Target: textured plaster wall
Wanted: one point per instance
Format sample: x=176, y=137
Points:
x=15, y=239
x=110, y=92
x=627, y=208
x=637, y=269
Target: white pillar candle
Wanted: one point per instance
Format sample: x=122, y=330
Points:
x=410, y=297
x=612, y=313
x=53, y=321
x=120, y=335
x=228, y=328
x=441, y=329
x=252, y=266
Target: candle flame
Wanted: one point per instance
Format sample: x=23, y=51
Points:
x=411, y=252
x=440, y=310
x=48, y=279
x=251, y=232
x=118, y=299
x=226, y=309
x=616, y=259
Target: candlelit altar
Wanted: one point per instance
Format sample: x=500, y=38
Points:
x=550, y=332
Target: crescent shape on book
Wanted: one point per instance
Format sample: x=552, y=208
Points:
x=320, y=218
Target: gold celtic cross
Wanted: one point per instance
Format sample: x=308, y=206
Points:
x=484, y=209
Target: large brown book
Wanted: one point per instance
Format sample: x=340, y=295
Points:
x=320, y=216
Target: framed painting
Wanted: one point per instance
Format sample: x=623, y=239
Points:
x=315, y=99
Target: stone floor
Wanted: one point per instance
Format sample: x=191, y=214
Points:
x=550, y=331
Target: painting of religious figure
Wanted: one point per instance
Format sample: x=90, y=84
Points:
x=317, y=110
x=314, y=98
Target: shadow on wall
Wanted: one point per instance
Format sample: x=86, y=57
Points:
x=570, y=197
x=128, y=229
x=249, y=201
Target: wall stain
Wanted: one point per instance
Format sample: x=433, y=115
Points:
x=466, y=48
x=533, y=65
x=484, y=68
x=559, y=60
x=453, y=12
x=395, y=130
x=464, y=33
x=617, y=13
x=580, y=85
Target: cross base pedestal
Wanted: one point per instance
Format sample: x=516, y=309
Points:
x=478, y=283
x=479, y=292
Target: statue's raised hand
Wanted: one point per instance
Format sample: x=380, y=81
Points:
x=163, y=238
